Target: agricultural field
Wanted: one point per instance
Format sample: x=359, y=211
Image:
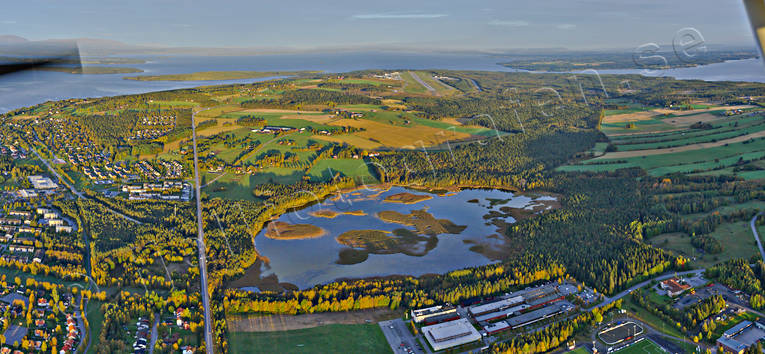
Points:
x=246, y=139
x=703, y=139
x=335, y=338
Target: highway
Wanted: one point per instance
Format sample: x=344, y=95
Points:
x=753, y=225
x=201, y=243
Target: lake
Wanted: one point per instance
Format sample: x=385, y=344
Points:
x=30, y=88
x=317, y=260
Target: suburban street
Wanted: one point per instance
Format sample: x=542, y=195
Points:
x=201, y=243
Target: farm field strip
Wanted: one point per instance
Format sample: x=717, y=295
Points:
x=684, y=148
x=694, y=139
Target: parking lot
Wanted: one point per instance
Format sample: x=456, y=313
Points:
x=400, y=338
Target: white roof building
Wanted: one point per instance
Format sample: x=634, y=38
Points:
x=42, y=182
x=450, y=334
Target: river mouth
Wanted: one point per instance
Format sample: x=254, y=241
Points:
x=373, y=232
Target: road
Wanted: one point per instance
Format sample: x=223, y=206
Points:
x=154, y=333
x=214, y=179
x=55, y=173
x=201, y=242
x=397, y=332
x=81, y=325
x=666, y=276
x=757, y=236
x=423, y=83
x=74, y=191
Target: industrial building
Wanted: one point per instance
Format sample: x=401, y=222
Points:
x=494, y=328
x=538, y=315
x=742, y=336
x=450, y=316
x=450, y=334
x=494, y=306
x=41, y=182
x=543, y=301
x=420, y=315
x=493, y=316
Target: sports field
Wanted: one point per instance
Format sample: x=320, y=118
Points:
x=642, y=347
x=335, y=338
x=620, y=332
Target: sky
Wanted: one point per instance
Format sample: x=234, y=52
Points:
x=444, y=24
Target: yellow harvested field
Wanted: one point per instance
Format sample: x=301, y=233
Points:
x=691, y=116
x=628, y=117
x=635, y=153
x=685, y=121
x=356, y=141
x=218, y=128
x=323, y=118
x=401, y=137
x=274, y=110
x=218, y=111
x=697, y=111
x=394, y=103
x=451, y=120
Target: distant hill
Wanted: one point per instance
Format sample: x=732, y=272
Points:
x=11, y=39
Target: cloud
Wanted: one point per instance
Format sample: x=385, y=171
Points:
x=508, y=23
x=396, y=16
x=8, y=22
x=565, y=26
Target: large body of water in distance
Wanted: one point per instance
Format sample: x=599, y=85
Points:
x=30, y=88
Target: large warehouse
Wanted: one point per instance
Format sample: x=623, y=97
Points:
x=494, y=306
x=450, y=334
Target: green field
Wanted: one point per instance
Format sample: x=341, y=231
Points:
x=643, y=315
x=411, y=85
x=642, y=347
x=580, y=350
x=647, y=125
x=324, y=169
x=95, y=322
x=736, y=238
x=689, y=138
x=335, y=338
x=691, y=161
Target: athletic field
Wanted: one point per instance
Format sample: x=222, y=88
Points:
x=619, y=333
x=642, y=347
